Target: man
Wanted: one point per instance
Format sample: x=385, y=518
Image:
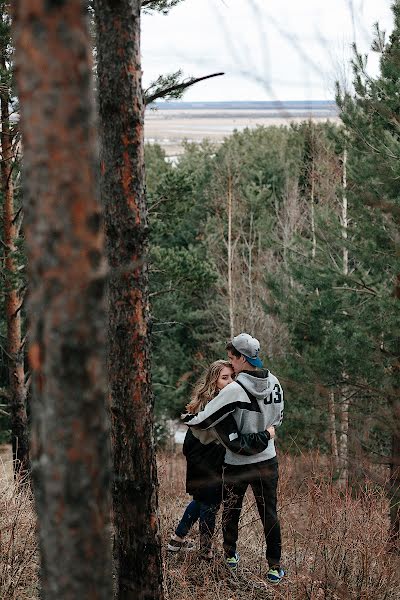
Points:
x=255, y=399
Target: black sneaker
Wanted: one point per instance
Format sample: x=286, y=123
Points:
x=275, y=575
x=175, y=545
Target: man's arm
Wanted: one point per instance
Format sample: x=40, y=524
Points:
x=218, y=408
x=245, y=444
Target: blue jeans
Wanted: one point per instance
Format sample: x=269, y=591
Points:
x=205, y=511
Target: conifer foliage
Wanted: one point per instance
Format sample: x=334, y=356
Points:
x=371, y=116
x=14, y=289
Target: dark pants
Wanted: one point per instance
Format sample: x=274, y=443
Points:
x=203, y=507
x=263, y=479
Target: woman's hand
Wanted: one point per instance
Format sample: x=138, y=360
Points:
x=271, y=431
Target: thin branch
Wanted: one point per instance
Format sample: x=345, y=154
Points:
x=4, y=393
x=6, y=353
x=359, y=291
x=161, y=292
x=178, y=87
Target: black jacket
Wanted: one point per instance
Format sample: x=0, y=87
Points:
x=204, y=464
x=205, y=461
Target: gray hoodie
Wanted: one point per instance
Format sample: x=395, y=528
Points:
x=255, y=399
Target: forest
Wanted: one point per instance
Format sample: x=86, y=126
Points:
x=124, y=275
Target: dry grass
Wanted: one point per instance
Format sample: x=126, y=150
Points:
x=335, y=544
x=18, y=551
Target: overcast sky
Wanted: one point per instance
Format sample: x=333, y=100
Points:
x=269, y=49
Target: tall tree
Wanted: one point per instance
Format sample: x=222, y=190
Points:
x=371, y=115
x=121, y=104
x=13, y=286
x=70, y=437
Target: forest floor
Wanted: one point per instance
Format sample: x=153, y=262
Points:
x=335, y=544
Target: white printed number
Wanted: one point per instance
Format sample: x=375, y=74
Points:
x=275, y=396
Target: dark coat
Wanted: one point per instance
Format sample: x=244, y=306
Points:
x=204, y=466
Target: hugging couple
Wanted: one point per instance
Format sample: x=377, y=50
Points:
x=229, y=445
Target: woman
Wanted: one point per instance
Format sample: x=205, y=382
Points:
x=204, y=458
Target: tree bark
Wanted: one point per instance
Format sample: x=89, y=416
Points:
x=137, y=538
x=343, y=450
x=312, y=199
x=345, y=403
x=70, y=447
x=16, y=370
x=230, y=258
x=344, y=215
x=332, y=427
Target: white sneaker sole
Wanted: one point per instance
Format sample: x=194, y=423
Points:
x=180, y=548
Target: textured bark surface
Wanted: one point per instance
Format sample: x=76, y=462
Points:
x=19, y=423
x=137, y=540
x=343, y=442
x=70, y=438
x=332, y=428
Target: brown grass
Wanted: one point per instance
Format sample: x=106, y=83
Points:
x=335, y=544
x=18, y=551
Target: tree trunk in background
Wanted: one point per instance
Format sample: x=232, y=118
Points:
x=332, y=428
x=19, y=422
x=70, y=447
x=137, y=537
x=343, y=440
x=313, y=235
x=344, y=216
x=230, y=260
x=345, y=402
x=394, y=495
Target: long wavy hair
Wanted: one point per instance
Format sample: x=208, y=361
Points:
x=206, y=387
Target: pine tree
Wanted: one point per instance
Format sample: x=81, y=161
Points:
x=371, y=115
x=67, y=272
x=14, y=286
x=121, y=105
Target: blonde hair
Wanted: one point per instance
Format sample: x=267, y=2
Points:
x=206, y=388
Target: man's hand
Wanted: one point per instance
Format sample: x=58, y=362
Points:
x=271, y=431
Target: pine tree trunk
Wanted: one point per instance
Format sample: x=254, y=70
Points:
x=137, y=538
x=344, y=410
x=70, y=448
x=332, y=428
x=344, y=216
x=249, y=244
x=230, y=260
x=19, y=422
x=343, y=448
x=313, y=235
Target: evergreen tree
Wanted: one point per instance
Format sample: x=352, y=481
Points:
x=371, y=115
x=182, y=277
x=14, y=288
x=121, y=105
x=70, y=429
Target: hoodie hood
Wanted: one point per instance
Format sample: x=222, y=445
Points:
x=257, y=383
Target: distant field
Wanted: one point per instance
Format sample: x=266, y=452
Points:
x=171, y=123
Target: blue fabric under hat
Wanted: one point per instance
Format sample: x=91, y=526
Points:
x=249, y=347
